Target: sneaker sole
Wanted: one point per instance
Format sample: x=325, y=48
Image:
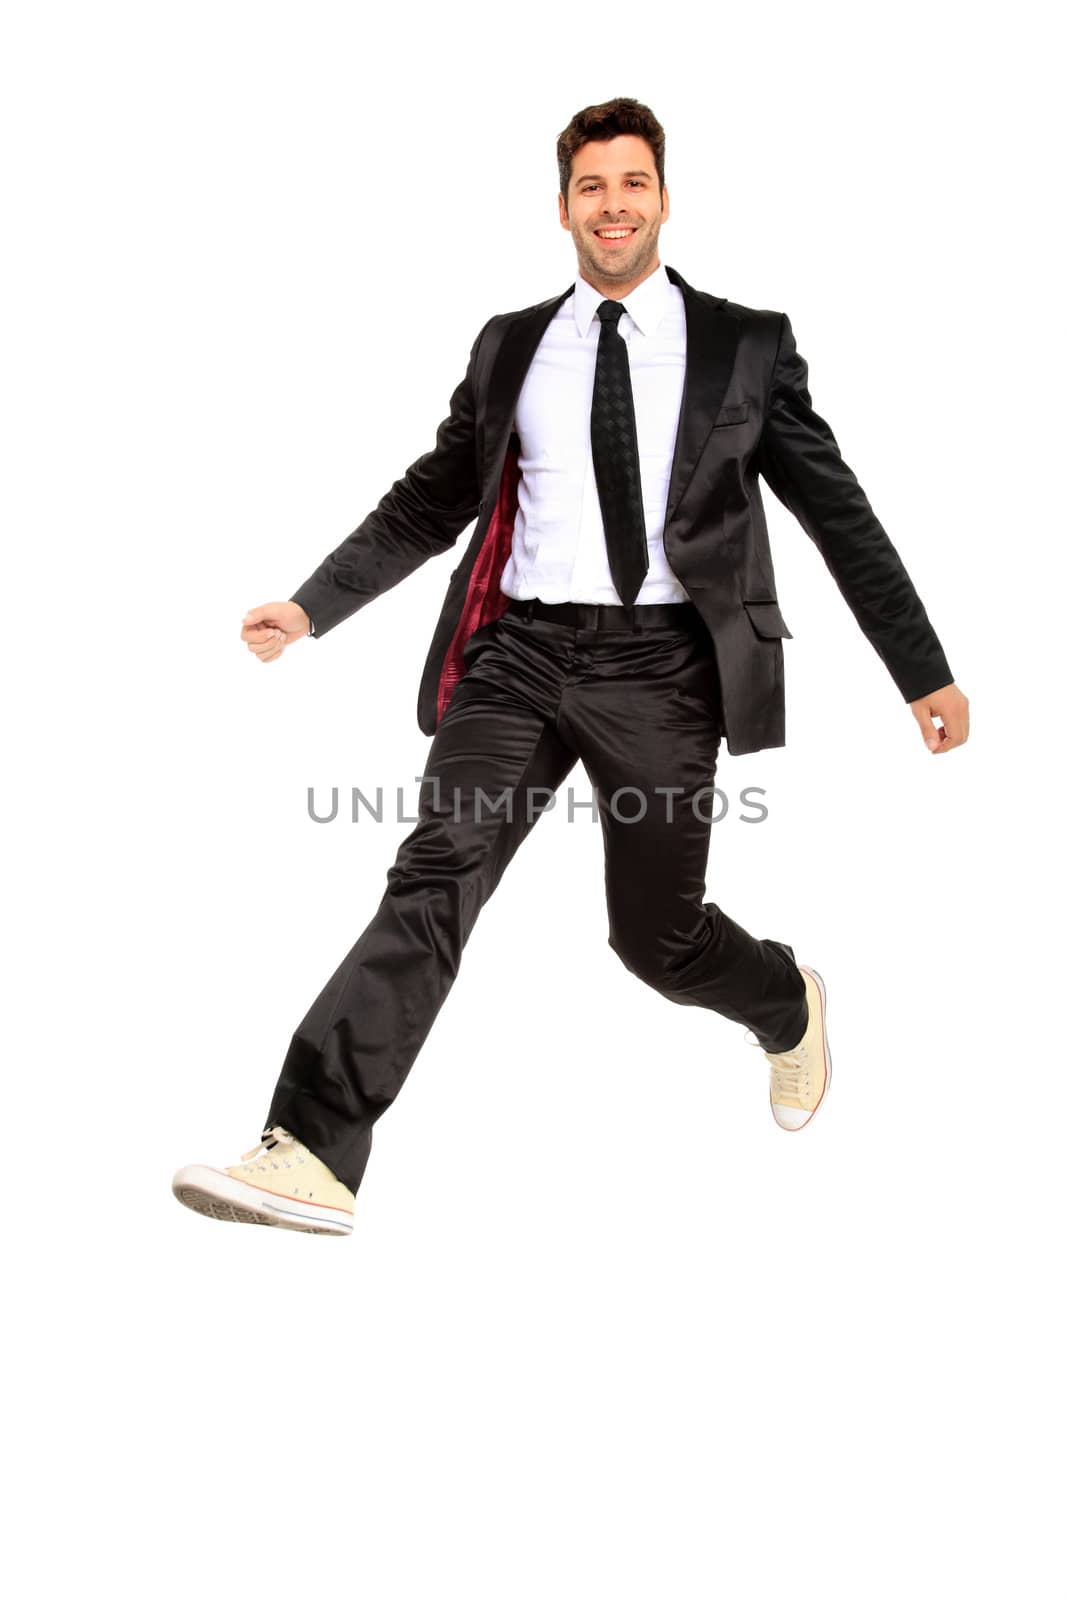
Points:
x=215, y=1194
x=826, y=1049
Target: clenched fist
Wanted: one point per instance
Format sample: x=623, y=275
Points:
x=268, y=629
x=954, y=709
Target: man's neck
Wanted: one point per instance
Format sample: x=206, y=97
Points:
x=611, y=290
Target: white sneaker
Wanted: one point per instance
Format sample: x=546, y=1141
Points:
x=800, y=1077
x=287, y=1187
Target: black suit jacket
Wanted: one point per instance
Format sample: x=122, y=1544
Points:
x=746, y=414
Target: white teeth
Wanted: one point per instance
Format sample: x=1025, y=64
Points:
x=612, y=233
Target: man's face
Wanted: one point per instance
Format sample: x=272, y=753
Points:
x=613, y=181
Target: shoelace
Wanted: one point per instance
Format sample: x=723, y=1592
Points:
x=271, y=1138
x=789, y=1071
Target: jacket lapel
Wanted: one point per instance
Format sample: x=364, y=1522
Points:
x=711, y=337
x=518, y=346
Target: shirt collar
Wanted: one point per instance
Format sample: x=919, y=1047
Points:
x=645, y=304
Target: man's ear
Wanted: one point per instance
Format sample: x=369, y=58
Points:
x=564, y=220
x=666, y=204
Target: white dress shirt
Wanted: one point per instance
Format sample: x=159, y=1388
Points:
x=558, y=550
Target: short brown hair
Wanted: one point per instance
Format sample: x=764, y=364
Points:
x=607, y=121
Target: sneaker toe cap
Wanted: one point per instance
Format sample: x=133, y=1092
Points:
x=790, y=1116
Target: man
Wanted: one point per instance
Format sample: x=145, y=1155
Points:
x=616, y=603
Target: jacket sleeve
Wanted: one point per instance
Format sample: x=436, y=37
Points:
x=423, y=513
x=800, y=460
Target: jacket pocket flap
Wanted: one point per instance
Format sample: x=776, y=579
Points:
x=731, y=414
x=766, y=618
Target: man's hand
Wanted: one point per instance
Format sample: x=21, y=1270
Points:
x=953, y=707
x=268, y=629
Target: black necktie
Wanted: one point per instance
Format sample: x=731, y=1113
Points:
x=613, y=433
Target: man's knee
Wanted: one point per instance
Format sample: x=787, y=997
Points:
x=657, y=961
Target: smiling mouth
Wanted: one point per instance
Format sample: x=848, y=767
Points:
x=614, y=235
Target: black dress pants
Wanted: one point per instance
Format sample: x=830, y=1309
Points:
x=640, y=703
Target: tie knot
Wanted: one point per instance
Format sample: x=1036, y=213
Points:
x=610, y=311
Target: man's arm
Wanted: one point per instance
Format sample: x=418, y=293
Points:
x=422, y=514
x=800, y=460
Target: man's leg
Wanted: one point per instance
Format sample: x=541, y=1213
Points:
x=353, y=1050
x=646, y=721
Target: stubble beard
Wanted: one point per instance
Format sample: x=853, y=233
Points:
x=603, y=267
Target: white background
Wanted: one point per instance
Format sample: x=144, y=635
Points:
x=602, y=1328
